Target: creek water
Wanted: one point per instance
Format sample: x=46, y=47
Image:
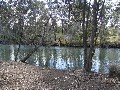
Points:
x=62, y=57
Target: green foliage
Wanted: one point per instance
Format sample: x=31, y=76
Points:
x=23, y=21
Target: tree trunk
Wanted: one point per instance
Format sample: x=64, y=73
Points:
x=92, y=39
x=29, y=54
x=84, y=36
x=36, y=47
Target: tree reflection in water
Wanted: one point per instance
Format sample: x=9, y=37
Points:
x=62, y=57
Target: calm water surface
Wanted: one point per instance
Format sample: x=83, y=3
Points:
x=62, y=57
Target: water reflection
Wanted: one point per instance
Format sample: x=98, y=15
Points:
x=61, y=57
x=12, y=49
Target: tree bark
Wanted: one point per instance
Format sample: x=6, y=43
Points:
x=92, y=39
x=84, y=36
x=29, y=54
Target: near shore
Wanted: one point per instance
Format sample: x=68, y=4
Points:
x=21, y=76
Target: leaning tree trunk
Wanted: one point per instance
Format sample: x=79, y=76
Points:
x=29, y=54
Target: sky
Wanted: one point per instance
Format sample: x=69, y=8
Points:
x=111, y=1
x=114, y=1
x=91, y=0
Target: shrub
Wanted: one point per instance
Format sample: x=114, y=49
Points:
x=114, y=71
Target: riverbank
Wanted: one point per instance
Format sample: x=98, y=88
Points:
x=81, y=46
x=97, y=46
x=21, y=76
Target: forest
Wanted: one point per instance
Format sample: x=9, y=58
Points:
x=59, y=32
x=59, y=22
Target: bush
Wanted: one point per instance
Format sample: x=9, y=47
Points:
x=114, y=71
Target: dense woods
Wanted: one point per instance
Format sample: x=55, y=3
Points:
x=65, y=22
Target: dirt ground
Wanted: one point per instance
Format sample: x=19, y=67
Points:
x=20, y=76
